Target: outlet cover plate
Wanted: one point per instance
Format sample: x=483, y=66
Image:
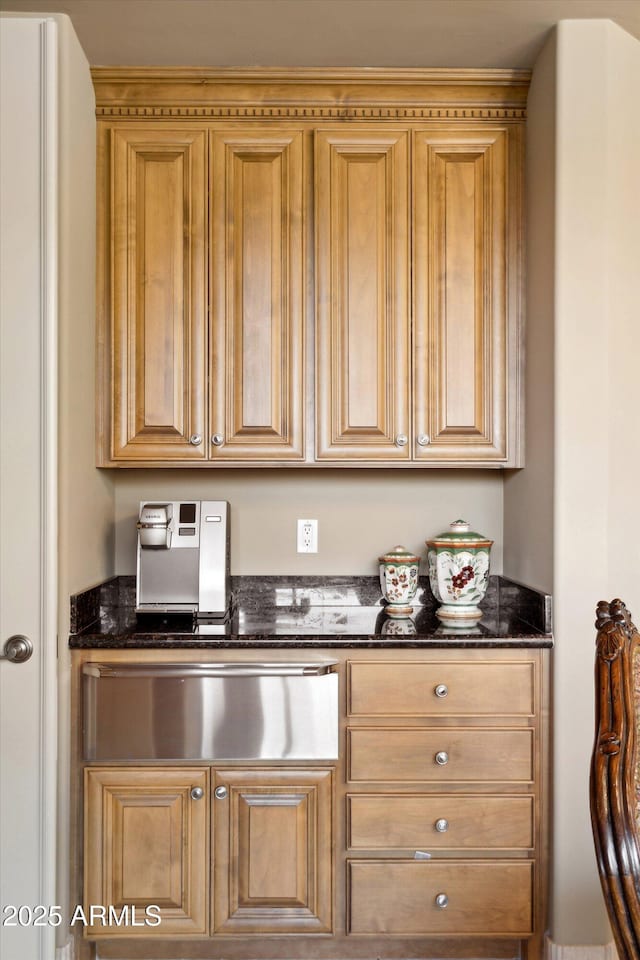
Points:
x=307, y=536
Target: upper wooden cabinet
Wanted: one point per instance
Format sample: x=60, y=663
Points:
x=362, y=282
x=155, y=205
x=257, y=295
x=310, y=268
x=466, y=274
x=458, y=358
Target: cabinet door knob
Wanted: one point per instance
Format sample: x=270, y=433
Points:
x=402, y=440
x=217, y=439
x=441, y=690
x=197, y=793
x=442, y=900
x=442, y=757
x=424, y=439
x=220, y=793
x=195, y=439
x=442, y=825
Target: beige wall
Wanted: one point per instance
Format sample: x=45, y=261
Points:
x=597, y=344
x=86, y=498
x=528, y=493
x=360, y=513
x=623, y=315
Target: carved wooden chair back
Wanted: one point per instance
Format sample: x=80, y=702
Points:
x=615, y=779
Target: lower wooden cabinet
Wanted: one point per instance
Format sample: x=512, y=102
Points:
x=272, y=851
x=146, y=839
x=427, y=836
x=265, y=866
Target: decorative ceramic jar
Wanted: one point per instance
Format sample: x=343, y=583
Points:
x=399, y=581
x=458, y=562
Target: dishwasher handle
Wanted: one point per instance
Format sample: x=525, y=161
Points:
x=185, y=670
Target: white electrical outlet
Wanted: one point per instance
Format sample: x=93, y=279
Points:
x=307, y=536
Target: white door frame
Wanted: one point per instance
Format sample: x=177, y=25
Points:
x=27, y=96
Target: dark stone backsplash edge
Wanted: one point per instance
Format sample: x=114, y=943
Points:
x=532, y=606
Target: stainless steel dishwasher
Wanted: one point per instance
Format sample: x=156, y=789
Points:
x=210, y=711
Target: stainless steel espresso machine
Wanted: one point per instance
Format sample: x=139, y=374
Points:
x=183, y=558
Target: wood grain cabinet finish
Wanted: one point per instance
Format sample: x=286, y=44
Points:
x=481, y=897
x=446, y=767
x=442, y=821
x=325, y=860
x=257, y=295
x=312, y=269
x=273, y=852
x=146, y=842
x=156, y=380
x=453, y=754
x=362, y=282
x=441, y=688
x=466, y=262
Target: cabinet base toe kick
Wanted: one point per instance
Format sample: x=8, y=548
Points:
x=326, y=948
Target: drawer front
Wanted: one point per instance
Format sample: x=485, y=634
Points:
x=463, y=689
x=391, y=897
x=442, y=822
x=390, y=755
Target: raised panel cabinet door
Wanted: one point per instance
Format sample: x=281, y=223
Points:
x=257, y=289
x=467, y=281
x=272, y=851
x=159, y=308
x=146, y=842
x=362, y=295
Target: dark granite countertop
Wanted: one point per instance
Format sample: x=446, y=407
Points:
x=310, y=612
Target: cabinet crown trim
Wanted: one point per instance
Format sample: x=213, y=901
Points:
x=310, y=93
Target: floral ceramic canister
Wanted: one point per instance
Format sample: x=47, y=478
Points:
x=458, y=561
x=399, y=581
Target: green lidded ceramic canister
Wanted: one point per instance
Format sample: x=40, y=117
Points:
x=458, y=562
x=399, y=580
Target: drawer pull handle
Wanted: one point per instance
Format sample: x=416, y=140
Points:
x=220, y=793
x=442, y=901
x=421, y=855
x=197, y=793
x=442, y=757
x=441, y=690
x=442, y=825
